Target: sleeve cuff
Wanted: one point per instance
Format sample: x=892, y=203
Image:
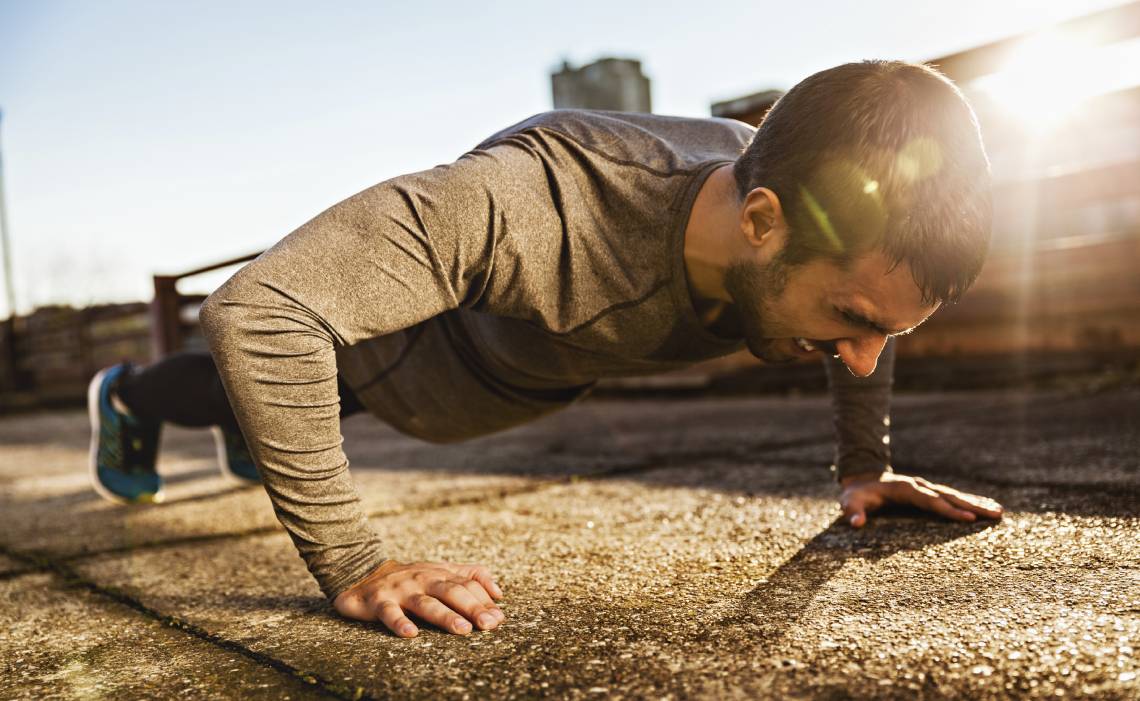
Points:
x=850, y=468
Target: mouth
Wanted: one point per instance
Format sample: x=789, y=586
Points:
x=808, y=347
x=804, y=344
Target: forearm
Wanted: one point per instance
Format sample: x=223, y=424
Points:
x=277, y=363
x=861, y=414
x=385, y=259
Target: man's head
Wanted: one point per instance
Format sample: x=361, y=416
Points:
x=864, y=196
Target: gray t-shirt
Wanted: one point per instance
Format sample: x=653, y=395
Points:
x=478, y=295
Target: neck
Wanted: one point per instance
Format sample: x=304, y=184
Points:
x=707, y=246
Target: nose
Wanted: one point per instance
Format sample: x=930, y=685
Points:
x=861, y=355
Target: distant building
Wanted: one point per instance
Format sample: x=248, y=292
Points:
x=749, y=109
x=605, y=84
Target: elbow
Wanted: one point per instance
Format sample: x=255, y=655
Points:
x=210, y=315
x=215, y=320
x=219, y=312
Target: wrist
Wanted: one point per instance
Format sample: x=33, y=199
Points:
x=379, y=571
x=849, y=477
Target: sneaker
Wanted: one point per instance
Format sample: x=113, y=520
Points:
x=123, y=448
x=233, y=456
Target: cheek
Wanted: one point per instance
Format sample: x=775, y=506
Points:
x=778, y=321
x=785, y=318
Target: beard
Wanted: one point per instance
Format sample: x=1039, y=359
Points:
x=754, y=288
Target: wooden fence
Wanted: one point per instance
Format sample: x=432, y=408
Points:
x=48, y=357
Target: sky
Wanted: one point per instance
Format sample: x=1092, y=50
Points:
x=142, y=137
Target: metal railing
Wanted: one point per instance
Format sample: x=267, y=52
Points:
x=170, y=322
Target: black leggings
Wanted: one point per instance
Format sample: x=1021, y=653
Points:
x=185, y=389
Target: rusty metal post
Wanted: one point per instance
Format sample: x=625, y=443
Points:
x=167, y=330
x=9, y=367
x=165, y=324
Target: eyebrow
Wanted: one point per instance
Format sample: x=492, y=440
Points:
x=859, y=320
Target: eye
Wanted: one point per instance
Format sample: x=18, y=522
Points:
x=860, y=322
x=848, y=318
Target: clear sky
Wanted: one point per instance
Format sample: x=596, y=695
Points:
x=144, y=136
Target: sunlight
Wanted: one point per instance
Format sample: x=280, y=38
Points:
x=1049, y=76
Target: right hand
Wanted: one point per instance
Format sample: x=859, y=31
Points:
x=449, y=595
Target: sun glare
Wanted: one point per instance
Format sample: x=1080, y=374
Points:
x=1048, y=77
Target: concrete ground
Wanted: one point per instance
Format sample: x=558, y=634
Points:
x=647, y=549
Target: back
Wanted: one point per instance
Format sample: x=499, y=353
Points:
x=587, y=277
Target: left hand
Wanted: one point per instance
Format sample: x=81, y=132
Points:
x=863, y=494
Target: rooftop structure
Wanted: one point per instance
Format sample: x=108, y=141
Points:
x=605, y=84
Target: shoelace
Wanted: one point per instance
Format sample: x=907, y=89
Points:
x=131, y=445
x=142, y=447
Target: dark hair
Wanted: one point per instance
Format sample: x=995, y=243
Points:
x=878, y=154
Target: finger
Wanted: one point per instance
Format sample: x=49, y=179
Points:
x=972, y=502
x=392, y=615
x=930, y=500
x=433, y=611
x=855, y=511
x=456, y=595
x=963, y=500
x=353, y=606
x=859, y=502
x=484, y=598
x=480, y=574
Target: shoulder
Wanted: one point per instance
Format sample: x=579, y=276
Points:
x=654, y=140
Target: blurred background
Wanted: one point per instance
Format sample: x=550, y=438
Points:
x=147, y=149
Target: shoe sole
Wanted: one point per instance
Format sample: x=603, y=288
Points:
x=224, y=461
x=93, y=412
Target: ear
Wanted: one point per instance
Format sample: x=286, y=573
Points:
x=762, y=220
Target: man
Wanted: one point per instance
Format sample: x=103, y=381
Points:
x=575, y=245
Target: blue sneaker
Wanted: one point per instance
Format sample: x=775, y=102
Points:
x=123, y=448
x=233, y=456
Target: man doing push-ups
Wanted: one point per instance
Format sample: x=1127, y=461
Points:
x=572, y=246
